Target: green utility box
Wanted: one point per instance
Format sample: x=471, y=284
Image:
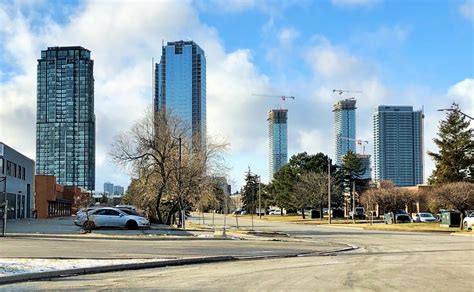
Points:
x=451, y=219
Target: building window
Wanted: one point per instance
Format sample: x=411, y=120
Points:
x=9, y=168
x=2, y=171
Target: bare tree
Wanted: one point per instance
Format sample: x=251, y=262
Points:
x=457, y=195
x=388, y=197
x=171, y=171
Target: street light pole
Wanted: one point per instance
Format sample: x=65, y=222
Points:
x=329, y=190
x=5, y=208
x=353, y=202
x=259, y=199
x=455, y=109
x=183, y=210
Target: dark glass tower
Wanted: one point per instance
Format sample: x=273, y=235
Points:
x=345, y=128
x=65, y=122
x=180, y=86
x=398, y=145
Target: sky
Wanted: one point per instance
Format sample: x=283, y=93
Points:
x=418, y=53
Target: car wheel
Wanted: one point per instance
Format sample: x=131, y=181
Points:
x=131, y=224
x=88, y=225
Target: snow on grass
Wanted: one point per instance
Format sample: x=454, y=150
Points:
x=15, y=266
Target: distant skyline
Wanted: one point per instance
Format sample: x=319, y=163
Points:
x=415, y=53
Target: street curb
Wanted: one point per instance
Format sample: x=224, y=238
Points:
x=112, y=268
x=135, y=237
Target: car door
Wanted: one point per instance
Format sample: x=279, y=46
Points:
x=100, y=218
x=115, y=218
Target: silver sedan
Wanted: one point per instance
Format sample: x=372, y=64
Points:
x=111, y=217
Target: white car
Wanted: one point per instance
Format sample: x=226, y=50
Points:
x=111, y=217
x=469, y=221
x=275, y=212
x=424, y=217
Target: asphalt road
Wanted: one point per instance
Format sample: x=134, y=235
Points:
x=385, y=261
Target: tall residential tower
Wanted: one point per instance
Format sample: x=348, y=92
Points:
x=180, y=86
x=398, y=145
x=345, y=127
x=278, y=139
x=65, y=121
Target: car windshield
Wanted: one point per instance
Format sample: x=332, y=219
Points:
x=426, y=215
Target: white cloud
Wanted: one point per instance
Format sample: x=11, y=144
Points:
x=467, y=10
x=287, y=35
x=329, y=61
x=355, y=3
x=463, y=94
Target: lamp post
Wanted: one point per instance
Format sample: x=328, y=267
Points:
x=329, y=190
x=5, y=206
x=259, y=199
x=455, y=108
x=183, y=210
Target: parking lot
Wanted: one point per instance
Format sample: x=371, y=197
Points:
x=65, y=226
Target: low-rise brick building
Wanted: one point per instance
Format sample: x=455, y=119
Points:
x=55, y=200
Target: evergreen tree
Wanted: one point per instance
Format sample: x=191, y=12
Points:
x=353, y=171
x=455, y=160
x=250, y=193
x=283, y=186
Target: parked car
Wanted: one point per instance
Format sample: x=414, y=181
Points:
x=399, y=216
x=111, y=217
x=275, y=212
x=469, y=221
x=424, y=217
x=439, y=215
x=359, y=213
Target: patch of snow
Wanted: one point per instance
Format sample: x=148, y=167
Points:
x=16, y=266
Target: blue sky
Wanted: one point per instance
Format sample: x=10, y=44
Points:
x=418, y=53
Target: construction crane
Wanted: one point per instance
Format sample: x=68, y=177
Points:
x=358, y=141
x=283, y=97
x=341, y=91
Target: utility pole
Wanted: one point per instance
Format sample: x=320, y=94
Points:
x=5, y=208
x=224, y=234
x=183, y=209
x=329, y=190
x=259, y=199
x=353, y=202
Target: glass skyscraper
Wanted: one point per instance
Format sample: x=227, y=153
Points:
x=398, y=145
x=278, y=139
x=365, y=161
x=65, y=122
x=180, y=86
x=345, y=127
